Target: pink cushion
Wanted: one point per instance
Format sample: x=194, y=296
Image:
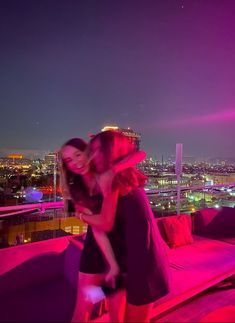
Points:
x=178, y=230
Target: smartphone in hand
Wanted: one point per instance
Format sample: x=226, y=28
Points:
x=96, y=294
x=120, y=283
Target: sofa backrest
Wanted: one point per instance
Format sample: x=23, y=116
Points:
x=215, y=223
x=30, y=264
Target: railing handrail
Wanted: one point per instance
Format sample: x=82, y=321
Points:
x=40, y=206
x=187, y=188
x=21, y=212
x=58, y=205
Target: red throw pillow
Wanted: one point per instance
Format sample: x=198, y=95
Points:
x=178, y=230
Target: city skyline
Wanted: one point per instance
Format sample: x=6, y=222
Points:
x=34, y=154
x=162, y=68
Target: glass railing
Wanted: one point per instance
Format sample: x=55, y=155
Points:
x=29, y=223
x=164, y=200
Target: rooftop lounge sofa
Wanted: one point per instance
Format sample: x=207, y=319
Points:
x=202, y=262
x=38, y=281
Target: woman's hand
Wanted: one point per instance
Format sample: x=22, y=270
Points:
x=111, y=275
x=82, y=210
x=105, y=181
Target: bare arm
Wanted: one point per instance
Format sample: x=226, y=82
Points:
x=129, y=161
x=106, y=179
x=105, y=220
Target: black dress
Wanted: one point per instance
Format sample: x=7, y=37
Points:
x=137, y=246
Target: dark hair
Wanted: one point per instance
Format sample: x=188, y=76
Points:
x=74, y=182
x=116, y=146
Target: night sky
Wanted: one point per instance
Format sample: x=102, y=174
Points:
x=165, y=68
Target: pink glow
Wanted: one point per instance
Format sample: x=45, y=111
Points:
x=217, y=117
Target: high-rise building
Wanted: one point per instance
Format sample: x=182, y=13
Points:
x=50, y=158
x=135, y=137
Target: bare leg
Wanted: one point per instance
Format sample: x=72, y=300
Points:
x=138, y=313
x=107, y=250
x=117, y=306
x=83, y=306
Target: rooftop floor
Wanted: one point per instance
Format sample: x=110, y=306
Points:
x=193, y=310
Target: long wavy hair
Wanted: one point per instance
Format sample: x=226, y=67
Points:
x=115, y=146
x=72, y=185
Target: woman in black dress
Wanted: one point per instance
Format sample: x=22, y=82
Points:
x=134, y=235
x=79, y=183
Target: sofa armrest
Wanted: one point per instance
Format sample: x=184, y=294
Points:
x=31, y=264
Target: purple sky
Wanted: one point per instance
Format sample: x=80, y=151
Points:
x=166, y=68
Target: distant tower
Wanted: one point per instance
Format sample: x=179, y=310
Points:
x=50, y=158
x=135, y=137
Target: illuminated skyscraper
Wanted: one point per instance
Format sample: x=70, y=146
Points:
x=50, y=158
x=135, y=137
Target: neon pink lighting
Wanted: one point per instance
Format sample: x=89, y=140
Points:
x=217, y=117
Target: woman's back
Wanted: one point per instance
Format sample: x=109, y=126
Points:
x=136, y=240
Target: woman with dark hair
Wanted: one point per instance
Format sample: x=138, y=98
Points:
x=80, y=182
x=133, y=232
